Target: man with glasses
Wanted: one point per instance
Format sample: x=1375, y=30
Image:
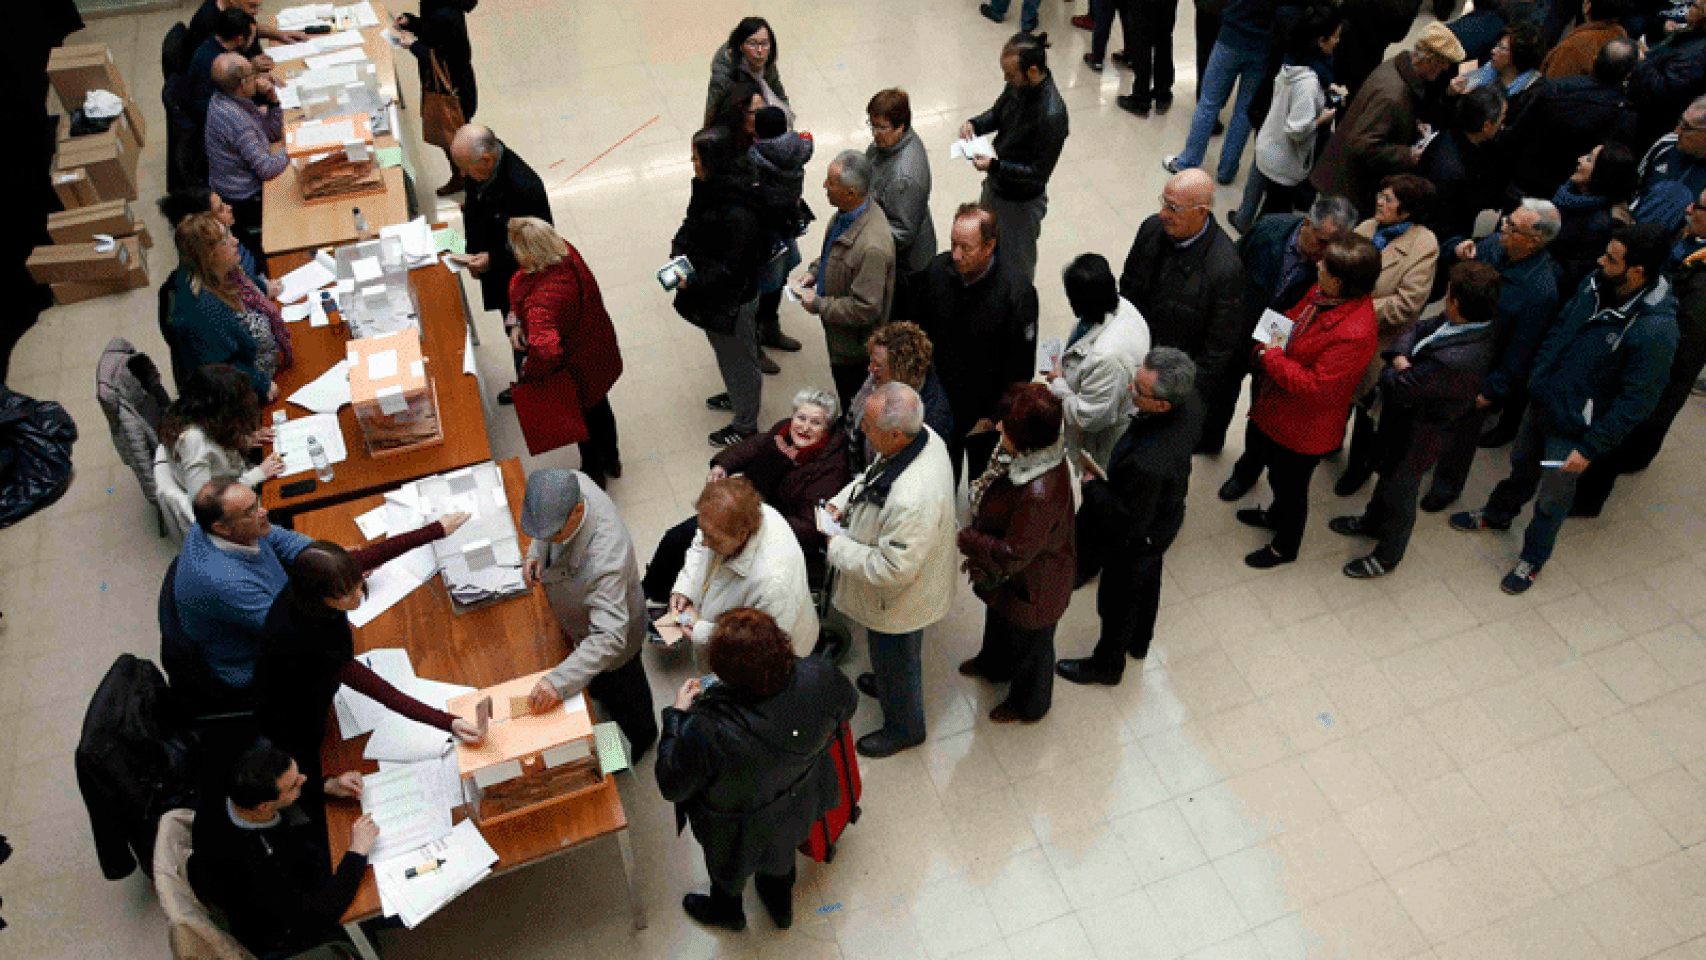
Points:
x=1673, y=172
x=1528, y=300
x=244, y=120
x=1184, y=276
x=1672, y=74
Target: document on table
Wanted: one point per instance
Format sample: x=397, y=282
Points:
x=339, y=40
x=280, y=52
x=290, y=441
x=463, y=858
x=374, y=523
x=449, y=241
x=357, y=15
x=336, y=57
x=442, y=777
x=358, y=713
x=296, y=312
x=389, y=156
x=399, y=738
x=325, y=133
x=983, y=146
x=308, y=14
x=327, y=392
x=288, y=97
x=392, y=582
x=402, y=801
x=304, y=280
x=1273, y=329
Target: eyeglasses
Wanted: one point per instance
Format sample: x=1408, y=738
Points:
x=754, y=43
x=879, y=125
x=1172, y=207
x=1507, y=224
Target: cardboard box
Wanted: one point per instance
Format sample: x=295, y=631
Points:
x=395, y=404
x=111, y=217
x=74, y=188
x=103, y=158
x=77, y=69
x=79, y=262
x=121, y=125
x=134, y=279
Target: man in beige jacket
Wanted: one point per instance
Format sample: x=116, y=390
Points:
x=893, y=552
x=851, y=285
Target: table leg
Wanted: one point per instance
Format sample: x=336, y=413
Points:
x=468, y=312
x=358, y=936
x=629, y=868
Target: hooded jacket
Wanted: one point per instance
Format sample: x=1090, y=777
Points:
x=900, y=183
x=781, y=165
x=1285, y=145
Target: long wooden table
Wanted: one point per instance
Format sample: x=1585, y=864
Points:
x=444, y=321
x=478, y=649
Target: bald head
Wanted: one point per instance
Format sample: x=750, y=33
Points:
x=1185, y=203
x=229, y=71
x=474, y=150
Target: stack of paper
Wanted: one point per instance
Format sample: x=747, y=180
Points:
x=307, y=15
x=392, y=582
x=461, y=860
x=327, y=392
x=443, y=779
x=346, y=55
x=416, y=237
x=304, y=280
x=290, y=441
x=402, y=802
x=357, y=713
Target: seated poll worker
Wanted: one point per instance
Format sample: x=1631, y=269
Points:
x=745, y=555
x=308, y=650
x=243, y=137
x=582, y=553
x=263, y=864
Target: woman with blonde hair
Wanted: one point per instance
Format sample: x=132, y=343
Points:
x=221, y=314
x=562, y=335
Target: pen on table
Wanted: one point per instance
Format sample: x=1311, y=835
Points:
x=423, y=869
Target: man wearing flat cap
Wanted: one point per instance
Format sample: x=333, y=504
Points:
x=583, y=555
x=1379, y=129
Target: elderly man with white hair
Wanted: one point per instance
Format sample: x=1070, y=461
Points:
x=851, y=285
x=501, y=187
x=892, y=547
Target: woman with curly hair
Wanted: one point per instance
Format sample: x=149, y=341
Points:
x=898, y=351
x=209, y=429
x=746, y=761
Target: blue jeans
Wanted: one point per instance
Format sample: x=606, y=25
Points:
x=895, y=660
x=1551, y=489
x=1027, y=12
x=1226, y=66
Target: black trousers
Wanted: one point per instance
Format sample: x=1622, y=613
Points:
x=1409, y=451
x=849, y=377
x=769, y=319
x=598, y=450
x=1149, y=47
x=973, y=450
x=668, y=559
x=775, y=875
x=1364, y=453
x=625, y=695
x=1023, y=659
x=1219, y=408
x=1127, y=598
x=1288, y=475
x=246, y=215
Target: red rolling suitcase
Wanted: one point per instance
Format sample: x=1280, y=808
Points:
x=820, y=843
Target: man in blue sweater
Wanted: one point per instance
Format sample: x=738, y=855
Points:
x=1597, y=375
x=233, y=565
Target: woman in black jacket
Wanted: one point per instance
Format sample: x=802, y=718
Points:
x=442, y=29
x=746, y=761
x=723, y=239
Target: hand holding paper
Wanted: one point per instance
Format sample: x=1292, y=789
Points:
x=826, y=523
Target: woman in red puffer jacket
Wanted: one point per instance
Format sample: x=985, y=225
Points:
x=1304, y=389
x=557, y=325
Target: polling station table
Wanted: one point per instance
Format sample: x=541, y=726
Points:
x=482, y=648
x=444, y=326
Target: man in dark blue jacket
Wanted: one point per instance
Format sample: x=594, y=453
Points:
x=1597, y=375
x=1528, y=302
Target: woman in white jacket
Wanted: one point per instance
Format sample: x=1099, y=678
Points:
x=209, y=430
x=1101, y=358
x=1285, y=145
x=744, y=555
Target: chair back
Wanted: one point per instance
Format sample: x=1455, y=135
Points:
x=128, y=388
x=174, y=501
x=168, y=305
x=191, y=928
x=174, y=51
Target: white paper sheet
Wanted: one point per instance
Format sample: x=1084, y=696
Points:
x=336, y=57
x=307, y=14
x=288, y=96
x=340, y=40
x=465, y=859
x=281, y=52
x=327, y=392
x=416, y=237
x=325, y=133
x=304, y=280
x=1273, y=328
x=291, y=441
x=469, y=366
x=401, y=739
x=359, y=714
x=983, y=146
x=402, y=801
x=392, y=582
x=1048, y=353
x=382, y=365
x=357, y=15
x=374, y=523
x=296, y=312
x=366, y=269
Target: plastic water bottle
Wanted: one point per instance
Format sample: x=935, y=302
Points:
x=322, y=466
x=360, y=223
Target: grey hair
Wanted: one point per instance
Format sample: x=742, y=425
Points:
x=1547, y=222
x=817, y=397
x=901, y=408
x=1696, y=112
x=1175, y=373
x=1330, y=208
x=855, y=171
x=483, y=144
x=228, y=72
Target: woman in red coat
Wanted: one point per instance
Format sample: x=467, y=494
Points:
x=1019, y=551
x=1304, y=390
x=560, y=331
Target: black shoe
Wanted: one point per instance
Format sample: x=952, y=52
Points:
x=1470, y=521
x=1234, y=489
x=1163, y=104
x=879, y=745
x=721, y=402
x=1219, y=128
x=711, y=912
x=1436, y=500
x=989, y=11
x=1266, y=558
x=1120, y=59
x=767, y=365
x=1092, y=63
x=1585, y=511
x=1254, y=517
x=777, y=895
x=777, y=340
x=1348, y=527
x=505, y=397
x=1132, y=105
x=867, y=684
x=1366, y=568
x=1352, y=481
x=1083, y=672
x=1520, y=578
x=728, y=436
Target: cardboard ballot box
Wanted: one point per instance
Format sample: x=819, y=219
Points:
x=395, y=403
x=78, y=271
x=527, y=761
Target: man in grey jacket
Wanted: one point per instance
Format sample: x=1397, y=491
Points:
x=850, y=287
x=582, y=553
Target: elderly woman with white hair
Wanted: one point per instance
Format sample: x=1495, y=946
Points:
x=794, y=466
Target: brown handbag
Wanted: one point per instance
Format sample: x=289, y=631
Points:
x=441, y=110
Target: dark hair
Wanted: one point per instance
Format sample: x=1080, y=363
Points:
x=1478, y=107
x=1604, y=10
x=731, y=112
x=1415, y=194
x=718, y=150
x=322, y=571
x=1029, y=49
x=751, y=654
x=1615, y=173
x=1354, y=261
x=1616, y=60
x=735, y=500
x=1475, y=287
x=1314, y=24
x=1090, y=287
x=1030, y=416
x=770, y=122
x=1528, y=46
x=221, y=401
x=1645, y=245
x=208, y=503
x=988, y=227
x=892, y=105
x=232, y=24
x=178, y=204
x=744, y=30
x=254, y=777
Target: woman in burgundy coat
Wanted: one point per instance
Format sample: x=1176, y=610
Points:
x=558, y=324
x=1303, y=392
x=1019, y=552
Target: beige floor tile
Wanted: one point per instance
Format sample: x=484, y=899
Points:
x=1196, y=908
x=1440, y=899
x=1628, y=747
x=1679, y=721
x=1423, y=675
x=1128, y=926
x=1247, y=737
x=1365, y=697
x=1675, y=798
x=1631, y=672
x=1347, y=774
x=952, y=917
x=1582, y=622
x=1062, y=938
x=1504, y=878
x=1159, y=842
x=1452, y=811
x=1324, y=860
x=1093, y=866
x=1407, y=753
x=1679, y=649
x=1625, y=921
x=1367, y=922
x=1025, y=893
x=1282, y=797
x=1568, y=764
x=1257, y=878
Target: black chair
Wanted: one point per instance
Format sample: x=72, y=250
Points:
x=168, y=304
x=174, y=51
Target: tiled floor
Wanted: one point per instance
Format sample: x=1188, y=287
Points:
x=1308, y=767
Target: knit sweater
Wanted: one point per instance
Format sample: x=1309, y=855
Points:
x=238, y=139
x=224, y=592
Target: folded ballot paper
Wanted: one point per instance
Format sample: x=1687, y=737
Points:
x=983, y=146
x=1273, y=329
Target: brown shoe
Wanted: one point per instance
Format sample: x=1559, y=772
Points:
x=968, y=668
x=456, y=185
x=767, y=365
